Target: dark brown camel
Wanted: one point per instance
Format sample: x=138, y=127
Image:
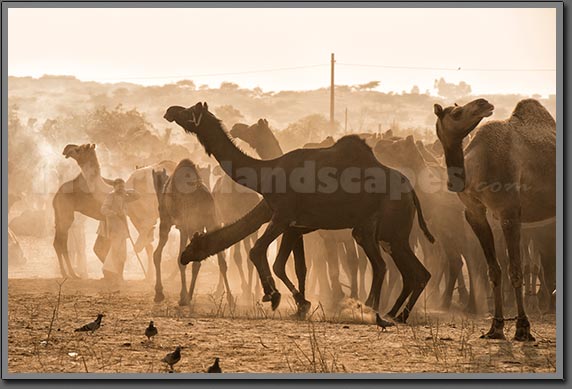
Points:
x=374, y=210
x=261, y=138
x=185, y=202
x=508, y=168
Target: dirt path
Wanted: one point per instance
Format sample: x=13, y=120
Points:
x=249, y=339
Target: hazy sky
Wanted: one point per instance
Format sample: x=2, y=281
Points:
x=157, y=46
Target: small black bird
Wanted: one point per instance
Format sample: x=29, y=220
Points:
x=172, y=358
x=382, y=323
x=151, y=331
x=94, y=325
x=215, y=368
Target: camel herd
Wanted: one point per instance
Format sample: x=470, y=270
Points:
x=340, y=205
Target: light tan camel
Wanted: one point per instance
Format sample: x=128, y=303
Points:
x=83, y=194
x=509, y=169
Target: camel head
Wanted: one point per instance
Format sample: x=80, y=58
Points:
x=453, y=125
x=195, y=120
x=251, y=134
x=81, y=153
x=401, y=153
x=195, y=251
x=192, y=118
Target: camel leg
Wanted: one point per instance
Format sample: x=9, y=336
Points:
x=301, y=271
x=223, y=271
x=352, y=267
x=461, y=285
x=413, y=273
x=248, y=243
x=61, y=247
x=455, y=264
x=164, y=228
x=365, y=238
x=289, y=239
x=237, y=256
x=258, y=255
x=333, y=269
x=510, y=223
x=184, y=297
x=195, y=267
x=477, y=218
x=149, y=252
x=362, y=269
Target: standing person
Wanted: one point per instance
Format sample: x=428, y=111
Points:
x=114, y=229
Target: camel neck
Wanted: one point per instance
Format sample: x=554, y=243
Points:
x=240, y=167
x=91, y=171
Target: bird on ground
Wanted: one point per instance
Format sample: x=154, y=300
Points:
x=172, y=358
x=94, y=325
x=382, y=323
x=215, y=368
x=151, y=331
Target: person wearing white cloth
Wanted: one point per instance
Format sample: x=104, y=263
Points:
x=114, y=228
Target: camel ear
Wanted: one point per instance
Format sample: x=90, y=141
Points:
x=410, y=139
x=205, y=106
x=260, y=122
x=456, y=105
x=196, y=235
x=164, y=172
x=438, y=110
x=92, y=146
x=265, y=121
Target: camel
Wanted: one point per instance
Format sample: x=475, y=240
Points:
x=185, y=202
x=233, y=201
x=374, y=211
x=83, y=194
x=260, y=137
x=144, y=212
x=444, y=215
x=509, y=169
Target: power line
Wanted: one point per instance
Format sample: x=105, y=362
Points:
x=219, y=74
x=446, y=68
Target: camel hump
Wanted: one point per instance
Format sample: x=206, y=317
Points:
x=531, y=111
x=187, y=163
x=352, y=141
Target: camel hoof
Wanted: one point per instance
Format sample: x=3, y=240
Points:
x=496, y=331
x=275, y=300
x=266, y=298
x=400, y=319
x=159, y=297
x=494, y=335
x=183, y=302
x=523, y=331
x=303, y=309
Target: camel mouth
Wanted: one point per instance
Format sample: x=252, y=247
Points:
x=168, y=118
x=488, y=111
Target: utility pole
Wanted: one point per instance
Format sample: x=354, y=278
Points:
x=332, y=94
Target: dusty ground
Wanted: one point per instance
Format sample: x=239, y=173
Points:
x=249, y=339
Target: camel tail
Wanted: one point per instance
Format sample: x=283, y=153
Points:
x=420, y=218
x=212, y=242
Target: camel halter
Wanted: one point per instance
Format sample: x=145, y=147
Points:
x=196, y=121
